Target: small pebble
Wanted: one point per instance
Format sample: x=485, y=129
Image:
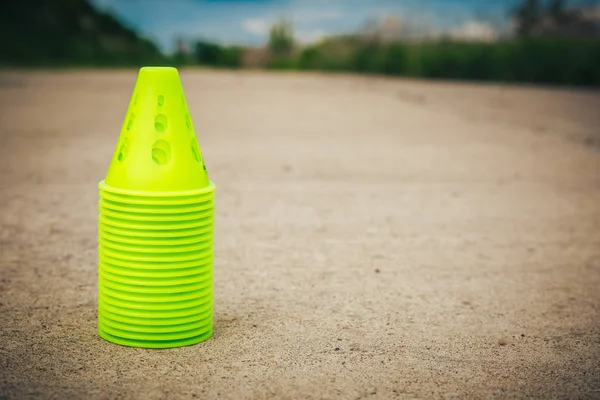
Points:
x=502, y=342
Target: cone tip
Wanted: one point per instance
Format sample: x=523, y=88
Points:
x=158, y=72
x=158, y=149
x=157, y=68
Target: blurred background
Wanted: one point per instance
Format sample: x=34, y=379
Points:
x=541, y=41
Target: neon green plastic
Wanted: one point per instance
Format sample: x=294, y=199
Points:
x=180, y=233
x=158, y=322
x=205, y=250
x=135, y=240
x=157, y=198
x=158, y=150
x=152, y=314
x=171, y=267
x=147, y=281
x=159, y=226
x=156, y=224
x=113, y=284
x=162, y=209
x=150, y=274
x=147, y=217
x=159, y=201
x=115, y=245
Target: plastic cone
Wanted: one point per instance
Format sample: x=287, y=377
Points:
x=156, y=224
x=158, y=150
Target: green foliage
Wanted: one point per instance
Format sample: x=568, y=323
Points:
x=283, y=63
x=281, y=38
x=540, y=60
x=553, y=18
x=215, y=55
x=335, y=54
x=527, y=14
x=63, y=32
x=73, y=32
x=554, y=45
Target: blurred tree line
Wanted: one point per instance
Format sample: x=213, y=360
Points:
x=553, y=43
x=208, y=54
x=539, y=60
x=66, y=32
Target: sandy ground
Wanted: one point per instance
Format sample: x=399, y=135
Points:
x=376, y=238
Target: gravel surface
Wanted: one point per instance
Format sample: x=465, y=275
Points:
x=376, y=238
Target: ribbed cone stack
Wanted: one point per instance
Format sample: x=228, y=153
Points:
x=155, y=228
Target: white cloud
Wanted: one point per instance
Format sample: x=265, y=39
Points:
x=260, y=27
x=310, y=36
x=475, y=31
x=256, y=26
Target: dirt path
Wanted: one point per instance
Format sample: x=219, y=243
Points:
x=376, y=239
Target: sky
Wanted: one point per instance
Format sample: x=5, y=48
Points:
x=246, y=22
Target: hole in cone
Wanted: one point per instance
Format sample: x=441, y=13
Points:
x=195, y=151
x=188, y=122
x=160, y=123
x=130, y=121
x=123, y=149
x=161, y=152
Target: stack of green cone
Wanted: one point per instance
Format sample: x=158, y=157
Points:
x=155, y=236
